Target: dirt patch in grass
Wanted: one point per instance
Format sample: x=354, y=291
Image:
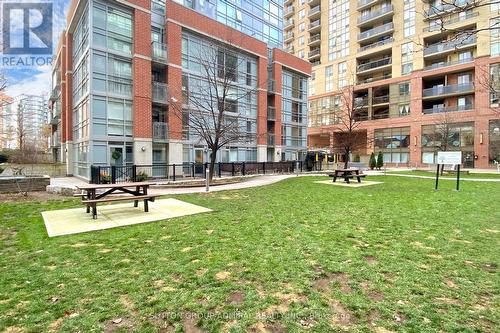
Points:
x=373, y=316
x=374, y=295
x=267, y=328
x=32, y=196
x=450, y=284
x=324, y=284
x=490, y=267
x=190, y=325
x=118, y=324
x=236, y=298
x=371, y=260
x=399, y=317
x=222, y=276
x=342, y=316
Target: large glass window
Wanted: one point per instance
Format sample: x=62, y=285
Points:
x=338, y=29
x=112, y=28
x=394, y=143
x=446, y=137
x=494, y=141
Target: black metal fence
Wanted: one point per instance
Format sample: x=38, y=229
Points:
x=133, y=173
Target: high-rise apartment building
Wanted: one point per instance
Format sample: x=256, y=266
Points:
x=407, y=65
x=120, y=65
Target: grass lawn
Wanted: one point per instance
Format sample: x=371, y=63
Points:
x=446, y=174
x=290, y=257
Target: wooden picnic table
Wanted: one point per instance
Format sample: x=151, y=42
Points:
x=137, y=190
x=347, y=174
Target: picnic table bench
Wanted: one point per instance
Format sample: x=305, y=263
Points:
x=347, y=174
x=137, y=191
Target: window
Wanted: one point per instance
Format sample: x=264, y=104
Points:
x=404, y=110
x=494, y=141
x=495, y=36
x=465, y=56
x=464, y=78
x=404, y=89
x=394, y=144
x=338, y=29
x=302, y=27
x=329, y=78
x=301, y=40
x=409, y=18
x=342, y=67
x=302, y=14
x=406, y=58
x=494, y=84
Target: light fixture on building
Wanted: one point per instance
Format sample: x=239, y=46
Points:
x=496, y=130
x=481, y=138
x=143, y=148
x=415, y=140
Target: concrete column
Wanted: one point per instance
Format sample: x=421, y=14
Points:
x=143, y=151
x=277, y=154
x=261, y=153
x=68, y=152
x=175, y=155
x=481, y=143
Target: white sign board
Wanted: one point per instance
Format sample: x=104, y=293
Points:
x=449, y=157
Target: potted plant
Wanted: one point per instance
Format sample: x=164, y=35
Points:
x=105, y=179
x=141, y=176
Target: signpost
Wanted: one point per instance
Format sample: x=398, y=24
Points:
x=449, y=157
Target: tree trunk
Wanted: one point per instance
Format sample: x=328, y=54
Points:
x=346, y=158
x=213, y=158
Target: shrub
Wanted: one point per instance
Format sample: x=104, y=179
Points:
x=373, y=161
x=380, y=160
x=105, y=179
x=141, y=176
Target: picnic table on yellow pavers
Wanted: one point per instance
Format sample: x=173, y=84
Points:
x=136, y=190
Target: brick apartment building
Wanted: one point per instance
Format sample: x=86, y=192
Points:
x=120, y=64
x=404, y=73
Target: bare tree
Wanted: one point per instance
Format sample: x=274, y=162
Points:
x=210, y=101
x=348, y=134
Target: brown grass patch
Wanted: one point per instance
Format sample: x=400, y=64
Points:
x=371, y=260
x=374, y=295
x=267, y=328
x=236, y=298
x=324, y=284
x=342, y=316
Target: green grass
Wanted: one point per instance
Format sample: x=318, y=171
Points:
x=446, y=174
x=391, y=257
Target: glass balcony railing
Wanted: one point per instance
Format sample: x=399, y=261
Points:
x=467, y=107
x=374, y=64
x=314, y=53
x=375, y=31
x=271, y=139
x=449, y=89
x=289, y=35
x=377, y=44
x=315, y=24
x=314, y=11
x=438, y=26
x=372, y=15
x=289, y=23
x=447, y=64
x=288, y=10
x=160, y=131
x=361, y=101
x=449, y=46
x=271, y=86
x=314, y=39
x=362, y=3
x=439, y=9
x=158, y=6
x=380, y=99
x=160, y=92
x=159, y=52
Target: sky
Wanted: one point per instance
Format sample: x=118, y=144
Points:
x=37, y=79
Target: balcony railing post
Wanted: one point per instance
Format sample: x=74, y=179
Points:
x=134, y=173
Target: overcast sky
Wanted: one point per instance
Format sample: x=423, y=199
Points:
x=37, y=79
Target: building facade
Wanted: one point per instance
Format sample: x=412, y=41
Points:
x=410, y=68
x=24, y=121
x=121, y=65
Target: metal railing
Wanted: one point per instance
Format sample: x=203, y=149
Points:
x=446, y=64
x=447, y=46
x=160, y=92
x=159, y=52
x=158, y=6
x=271, y=139
x=435, y=27
x=467, y=107
x=377, y=30
x=380, y=99
x=289, y=35
x=374, y=79
x=377, y=44
x=289, y=49
x=362, y=3
x=372, y=15
x=271, y=86
x=449, y=89
x=164, y=171
x=374, y=64
x=314, y=38
x=289, y=23
x=314, y=53
x=271, y=113
x=314, y=10
x=160, y=131
x=288, y=10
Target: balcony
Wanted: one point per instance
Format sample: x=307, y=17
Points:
x=314, y=40
x=373, y=16
x=376, y=32
x=452, y=45
x=160, y=92
x=361, y=101
x=374, y=79
x=313, y=54
x=314, y=13
x=374, y=65
x=315, y=63
x=313, y=3
x=448, y=90
x=271, y=113
x=271, y=139
x=56, y=139
x=380, y=100
x=159, y=52
x=467, y=107
x=438, y=26
x=289, y=49
x=363, y=4
x=288, y=36
x=386, y=41
x=288, y=11
x=289, y=23
x=447, y=7
x=448, y=64
x=160, y=132
x=315, y=26
x=271, y=86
